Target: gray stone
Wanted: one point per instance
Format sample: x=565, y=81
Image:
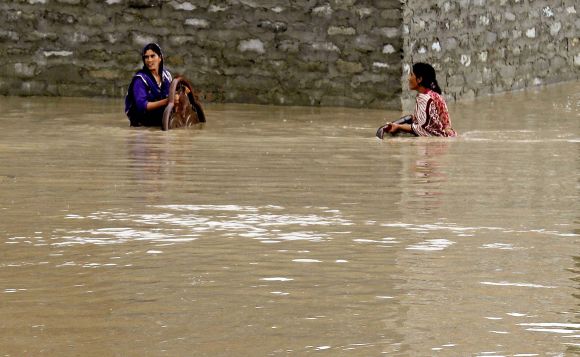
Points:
x=490, y=37
x=24, y=70
x=276, y=26
x=487, y=75
x=324, y=11
x=32, y=87
x=365, y=43
x=388, y=32
x=507, y=72
x=197, y=23
x=474, y=79
x=557, y=63
x=346, y=67
x=9, y=35
x=456, y=80
x=341, y=30
x=139, y=4
x=555, y=28
x=304, y=52
x=342, y=4
x=451, y=43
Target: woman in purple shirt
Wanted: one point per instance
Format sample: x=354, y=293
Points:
x=147, y=94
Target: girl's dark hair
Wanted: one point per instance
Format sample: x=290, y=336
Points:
x=427, y=74
x=155, y=48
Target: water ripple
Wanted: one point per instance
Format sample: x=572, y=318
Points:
x=525, y=285
x=463, y=230
x=431, y=244
x=186, y=223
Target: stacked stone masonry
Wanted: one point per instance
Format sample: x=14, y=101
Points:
x=352, y=53
x=480, y=47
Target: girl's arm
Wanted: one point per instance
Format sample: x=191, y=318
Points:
x=140, y=95
x=400, y=127
x=166, y=77
x=157, y=104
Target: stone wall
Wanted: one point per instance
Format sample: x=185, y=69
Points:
x=299, y=52
x=292, y=52
x=479, y=47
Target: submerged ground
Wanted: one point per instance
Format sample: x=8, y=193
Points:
x=290, y=231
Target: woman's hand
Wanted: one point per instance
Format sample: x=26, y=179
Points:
x=158, y=104
x=395, y=128
x=382, y=130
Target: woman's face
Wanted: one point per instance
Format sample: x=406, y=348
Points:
x=152, y=60
x=413, y=81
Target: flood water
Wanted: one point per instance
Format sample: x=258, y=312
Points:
x=284, y=231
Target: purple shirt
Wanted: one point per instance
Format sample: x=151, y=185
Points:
x=144, y=89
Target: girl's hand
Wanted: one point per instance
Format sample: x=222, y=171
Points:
x=382, y=130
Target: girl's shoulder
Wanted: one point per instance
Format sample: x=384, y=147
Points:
x=141, y=77
x=423, y=98
x=433, y=94
x=167, y=75
x=436, y=97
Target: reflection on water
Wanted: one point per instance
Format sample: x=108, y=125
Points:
x=290, y=231
x=181, y=223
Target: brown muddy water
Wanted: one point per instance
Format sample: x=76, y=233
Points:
x=278, y=231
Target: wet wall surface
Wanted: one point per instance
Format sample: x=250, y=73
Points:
x=300, y=52
x=290, y=231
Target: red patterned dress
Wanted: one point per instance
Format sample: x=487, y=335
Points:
x=431, y=117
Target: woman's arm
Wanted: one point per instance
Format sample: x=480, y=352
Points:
x=157, y=104
x=393, y=128
x=166, y=78
x=140, y=95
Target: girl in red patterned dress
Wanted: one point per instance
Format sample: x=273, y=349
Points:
x=431, y=117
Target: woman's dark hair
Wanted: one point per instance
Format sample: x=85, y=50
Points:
x=155, y=48
x=427, y=74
